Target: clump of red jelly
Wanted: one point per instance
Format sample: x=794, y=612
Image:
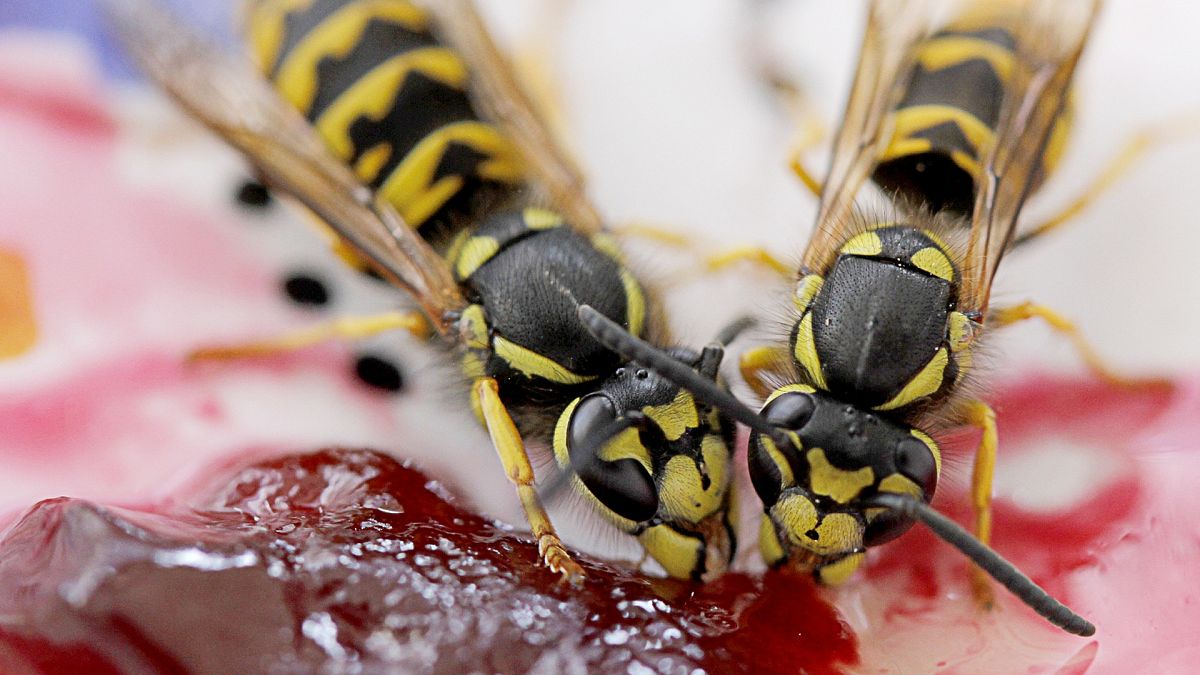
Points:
x=346, y=559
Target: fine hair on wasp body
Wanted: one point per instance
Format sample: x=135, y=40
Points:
x=387, y=120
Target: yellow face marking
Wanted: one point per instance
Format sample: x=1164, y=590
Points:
x=786, y=478
x=682, y=495
x=836, y=573
x=474, y=253
x=561, y=454
x=933, y=448
x=533, y=364
x=790, y=388
x=541, y=219
x=839, y=485
x=805, y=352
x=768, y=542
x=951, y=50
x=676, y=417
x=935, y=262
x=925, y=383
x=626, y=445
x=335, y=38
x=679, y=554
x=836, y=533
x=473, y=327
x=635, y=303
x=863, y=243
x=900, y=484
x=807, y=289
x=265, y=28
x=410, y=187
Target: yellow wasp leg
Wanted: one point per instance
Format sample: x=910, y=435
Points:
x=979, y=414
x=802, y=172
x=510, y=447
x=349, y=328
x=1135, y=148
x=1028, y=310
x=752, y=254
x=653, y=232
x=753, y=362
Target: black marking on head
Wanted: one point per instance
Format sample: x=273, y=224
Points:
x=379, y=373
x=306, y=289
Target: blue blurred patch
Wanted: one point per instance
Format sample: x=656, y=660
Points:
x=82, y=18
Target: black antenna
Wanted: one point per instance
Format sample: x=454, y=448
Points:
x=988, y=560
x=611, y=335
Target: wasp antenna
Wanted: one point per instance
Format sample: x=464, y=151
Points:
x=988, y=560
x=731, y=332
x=611, y=335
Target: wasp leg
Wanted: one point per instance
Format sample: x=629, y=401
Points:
x=350, y=328
x=752, y=254
x=1028, y=310
x=653, y=232
x=1135, y=148
x=754, y=362
x=981, y=415
x=510, y=447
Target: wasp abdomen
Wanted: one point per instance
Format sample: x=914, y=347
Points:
x=387, y=98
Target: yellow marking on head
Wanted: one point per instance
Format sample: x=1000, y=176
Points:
x=923, y=384
x=561, y=454
x=807, y=289
x=679, y=554
x=836, y=532
x=933, y=448
x=900, y=484
x=805, y=352
x=839, y=485
x=675, y=417
x=265, y=26
x=934, y=262
x=18, y=322
x=951, y=50
x=786, y=478
x=541, y=219
x=769, y=545
x=915, y=119
x=410, y=187
x=533, y=364
x=836, y=573
x=335, y=37
x=371, y=162
x=961, y=331
x=864, y=243
x=788, y=389
x=681, y=495
x=473, y=327
x=626, y=445
x=474, y=253
x=635, y=303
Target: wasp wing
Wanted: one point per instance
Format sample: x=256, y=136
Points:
x=499, y=95
x=884, y=62
x=229, y=97
x=1050, y=39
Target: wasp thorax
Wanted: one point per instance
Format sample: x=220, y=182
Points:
x=838, y=454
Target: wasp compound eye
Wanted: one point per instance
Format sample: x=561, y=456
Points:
x=916, y=460
x=768, y=460
x=602, y=455
x=790, y=411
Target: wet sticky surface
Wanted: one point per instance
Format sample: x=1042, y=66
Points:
x=341, y=558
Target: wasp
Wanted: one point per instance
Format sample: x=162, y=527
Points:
x=398, y=125
x=958, y=120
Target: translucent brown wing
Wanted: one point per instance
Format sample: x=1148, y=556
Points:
x=884, y=61
x=229, y=97
x=1050, y=39
x=505, y=104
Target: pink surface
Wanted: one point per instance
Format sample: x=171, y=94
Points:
x=126, y=281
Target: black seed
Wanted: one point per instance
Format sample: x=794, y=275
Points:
x=378, y=373
x=254, y=195
x=304, y=289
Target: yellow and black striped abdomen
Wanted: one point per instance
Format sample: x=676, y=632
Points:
x=947, y=116
x=387, y=97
